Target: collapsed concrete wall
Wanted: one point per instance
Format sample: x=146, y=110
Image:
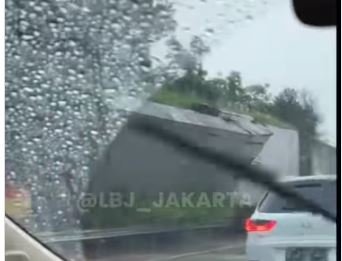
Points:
x=136, y=162
x=323, y=158
x=280, y=154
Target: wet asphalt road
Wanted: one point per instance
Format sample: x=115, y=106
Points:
x=219, y=249
x=190, y=246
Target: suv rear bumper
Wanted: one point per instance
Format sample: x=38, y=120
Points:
x=264, y=249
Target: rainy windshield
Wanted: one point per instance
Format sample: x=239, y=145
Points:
x=242, y=78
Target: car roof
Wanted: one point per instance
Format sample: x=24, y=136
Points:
x=308, y=178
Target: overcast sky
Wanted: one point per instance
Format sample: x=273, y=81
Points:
x=267, y=44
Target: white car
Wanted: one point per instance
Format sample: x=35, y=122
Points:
x=280, y=231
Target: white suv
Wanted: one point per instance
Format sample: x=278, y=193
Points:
x=280, y=231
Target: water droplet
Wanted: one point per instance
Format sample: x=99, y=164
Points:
x=210, y=30
x=62, y=103
x=63, y=195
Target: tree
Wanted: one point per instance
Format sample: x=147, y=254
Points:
x=312, y=118
x=258, y=97
x=198, y=48
x=235, y=89
x=62, y=59
x=180, y=58
x=191, y=79
x=187, y=59
x=299, y=110
x=219, y=87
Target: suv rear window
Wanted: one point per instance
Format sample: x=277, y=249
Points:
x=321, y=192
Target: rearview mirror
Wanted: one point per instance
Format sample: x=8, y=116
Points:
x=316, y=12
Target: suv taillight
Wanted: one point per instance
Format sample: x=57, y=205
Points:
x=258, y=225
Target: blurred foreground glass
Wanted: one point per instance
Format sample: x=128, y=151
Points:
x=78, y=71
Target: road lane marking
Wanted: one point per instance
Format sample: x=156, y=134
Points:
x=234, y=257
x=195, y=253
x=144, y=210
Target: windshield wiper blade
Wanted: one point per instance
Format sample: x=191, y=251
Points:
x=245, y=171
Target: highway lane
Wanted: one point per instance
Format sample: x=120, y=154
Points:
x=218, y=249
